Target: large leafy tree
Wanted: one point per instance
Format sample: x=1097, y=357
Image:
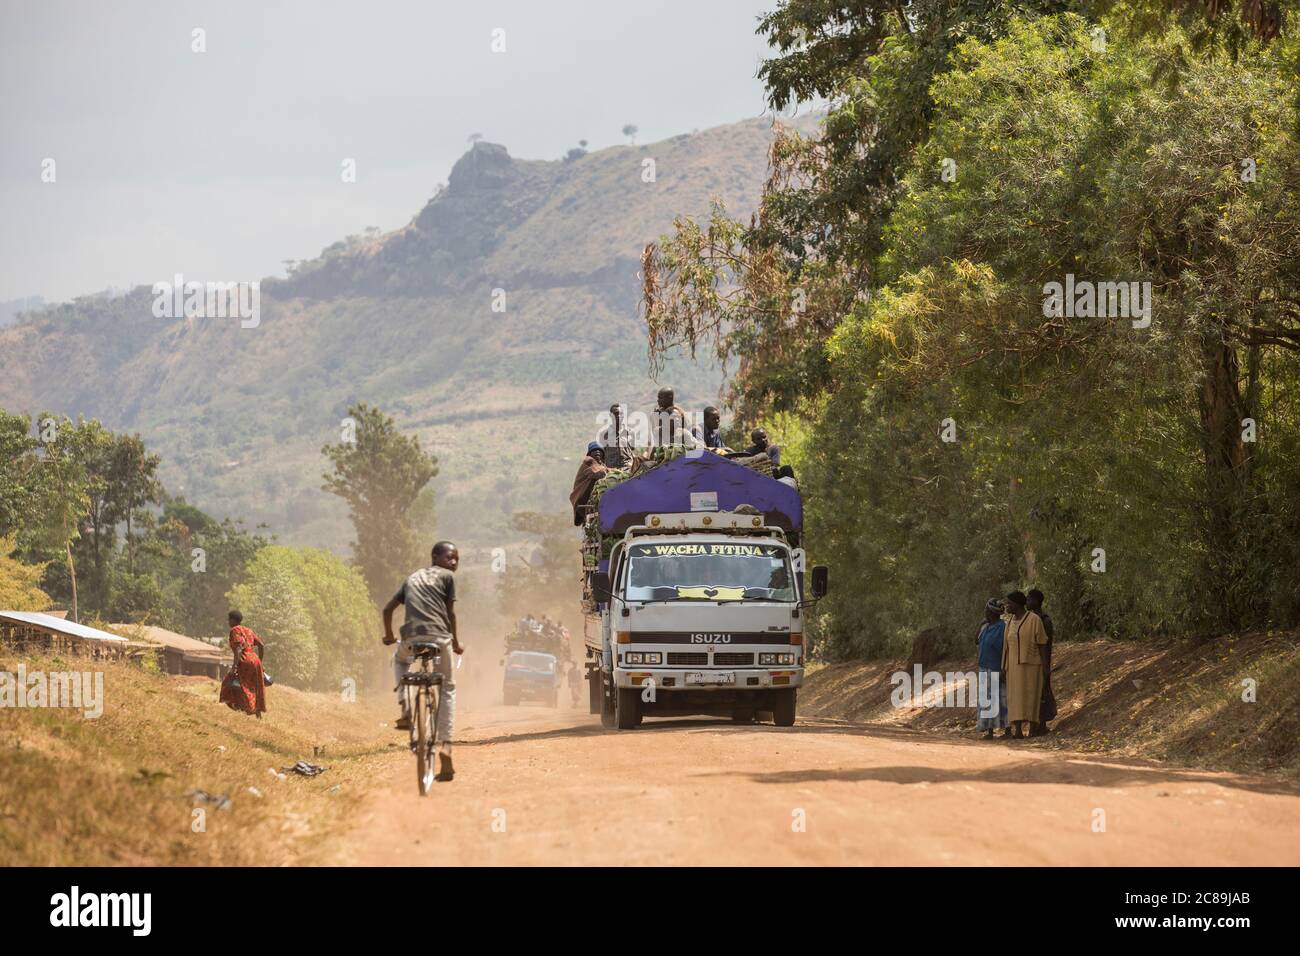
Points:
x=186, y=563
x=380, y=473
x=1074, y=162
x=879, y=297
x=271, y=601
x=340, y=620
x=769, y=293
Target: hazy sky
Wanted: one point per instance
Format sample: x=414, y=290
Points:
x=220, y=164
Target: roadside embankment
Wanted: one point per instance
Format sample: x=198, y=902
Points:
x=1181, y=701
x=120, y=788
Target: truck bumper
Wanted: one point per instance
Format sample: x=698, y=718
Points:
x=671, y=679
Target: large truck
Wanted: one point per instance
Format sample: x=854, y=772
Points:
x=694, y=590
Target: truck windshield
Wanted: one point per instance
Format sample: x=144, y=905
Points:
x=709, y=572
x=532, y=662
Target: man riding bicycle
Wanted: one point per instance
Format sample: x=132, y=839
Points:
x=430, y=599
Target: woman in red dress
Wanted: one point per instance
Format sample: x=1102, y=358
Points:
x=249, y=694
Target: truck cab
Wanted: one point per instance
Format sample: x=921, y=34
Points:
x=704, y=615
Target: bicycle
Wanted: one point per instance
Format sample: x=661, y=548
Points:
x=421, y=686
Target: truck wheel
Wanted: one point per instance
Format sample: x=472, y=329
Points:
x=626, y=708
x=593, y=691
x=783, y=707
x=742, y=716
x=554, y=699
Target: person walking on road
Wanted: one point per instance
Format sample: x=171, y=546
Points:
x=429, y=596
x=1022, y=662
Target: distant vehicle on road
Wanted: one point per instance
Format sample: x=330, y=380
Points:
x=531, y=675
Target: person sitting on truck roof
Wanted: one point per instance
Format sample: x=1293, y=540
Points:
x=710, y=433
x=590, y=471
x=616, y=438
x=668, y=423
x=785, y=475
x=761, y=446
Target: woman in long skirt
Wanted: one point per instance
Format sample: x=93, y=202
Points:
x=1022, y=662
x=248, y=693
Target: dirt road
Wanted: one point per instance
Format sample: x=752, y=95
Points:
x=536, y=786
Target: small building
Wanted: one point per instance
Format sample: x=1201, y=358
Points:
x=181, y=654
x=34, y=631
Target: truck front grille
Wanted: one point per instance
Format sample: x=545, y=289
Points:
x=681, y=658
x=732, y=659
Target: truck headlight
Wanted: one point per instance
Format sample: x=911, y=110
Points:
x=774, y=660
x=653, y=657
x=633, y=657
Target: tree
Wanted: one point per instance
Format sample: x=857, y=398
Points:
x=630, y=131
x=272, y=605
x=18, y=472
x=380, y=474
x=769, y=294
x=339, y=617
x=114, y=472
x=1155, y=192
x=134, y=483
x=92, y=445
x=62, y=496
x=20, y=583
x=190, y=561
x=920, y=301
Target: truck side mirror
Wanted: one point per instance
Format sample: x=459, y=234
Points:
x=820, y=580
x=600, y=586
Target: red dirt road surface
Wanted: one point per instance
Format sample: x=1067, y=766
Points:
x=539, y=786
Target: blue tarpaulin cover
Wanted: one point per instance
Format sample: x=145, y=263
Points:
x=668, y=488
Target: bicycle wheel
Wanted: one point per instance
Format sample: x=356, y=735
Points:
x=435, y=704
x=424, y=740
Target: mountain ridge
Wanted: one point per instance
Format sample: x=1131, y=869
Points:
x=404, y=319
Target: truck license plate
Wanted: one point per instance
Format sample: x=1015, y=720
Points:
x=711, y=677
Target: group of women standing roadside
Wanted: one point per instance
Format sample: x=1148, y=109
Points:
x=1015, y=642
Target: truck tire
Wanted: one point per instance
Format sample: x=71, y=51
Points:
x=554, y=699
x=593, y=691
x=783, y=705
x=742, y=715
x=627, y=710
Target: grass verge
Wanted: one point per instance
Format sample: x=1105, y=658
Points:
x=118, y=789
